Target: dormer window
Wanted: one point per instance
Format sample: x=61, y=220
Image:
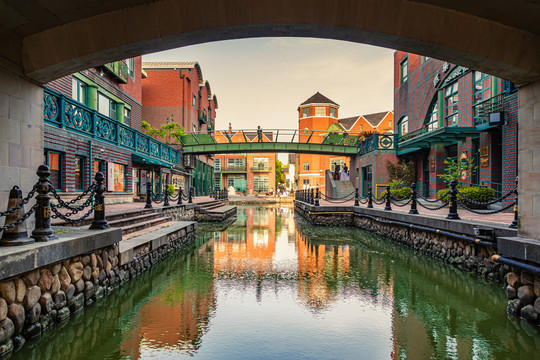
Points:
x=333, y=112
x=306, y=112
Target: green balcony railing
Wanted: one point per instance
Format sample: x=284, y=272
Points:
x=261, y=169
x=495, y=104
x=118, y=69
x=66, y=113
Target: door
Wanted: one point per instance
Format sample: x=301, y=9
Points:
x=366, y=179
x=426, y=175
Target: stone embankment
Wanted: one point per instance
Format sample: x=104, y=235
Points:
x=452, y=241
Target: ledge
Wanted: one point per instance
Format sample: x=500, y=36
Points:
x=15, y=260
x=519, y=248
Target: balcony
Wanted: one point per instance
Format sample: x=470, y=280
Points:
x=233, y=168
x=261, y=169
x=496, y=104
x=376, y=142
x=65, y=113
x=119, y=70
x=203, y=118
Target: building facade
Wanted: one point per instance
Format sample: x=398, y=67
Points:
x=445, y=111
x=177, y=92
x=92, y=122
x=318, y=117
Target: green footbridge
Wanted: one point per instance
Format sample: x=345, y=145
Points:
x=287, y=141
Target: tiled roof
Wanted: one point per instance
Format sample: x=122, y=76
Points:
x=169, y=65
x=375, y=119
x=348, y=123
x=318, y=98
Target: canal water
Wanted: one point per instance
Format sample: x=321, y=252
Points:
x=271, y=286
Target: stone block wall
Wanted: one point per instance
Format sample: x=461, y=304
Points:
x=32, y=302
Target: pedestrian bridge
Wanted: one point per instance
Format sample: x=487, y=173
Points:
x=287, y=141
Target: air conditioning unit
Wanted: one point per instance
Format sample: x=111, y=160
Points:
x=496, y=118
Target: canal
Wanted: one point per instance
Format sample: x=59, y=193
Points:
x=272, y=286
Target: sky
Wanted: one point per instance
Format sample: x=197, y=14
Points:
x=262, y=81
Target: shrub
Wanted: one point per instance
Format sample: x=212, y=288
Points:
x=402, y=170
x=171, y=189
x=475, y=193
x=398, y=193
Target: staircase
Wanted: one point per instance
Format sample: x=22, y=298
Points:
x=209, y=205
x=344, y=190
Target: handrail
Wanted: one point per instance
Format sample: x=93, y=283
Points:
x=63, y=112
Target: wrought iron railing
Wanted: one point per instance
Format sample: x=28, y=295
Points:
x=119, y=69
x=66, y=113
x=377, y=142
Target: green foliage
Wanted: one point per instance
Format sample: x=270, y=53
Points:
x=280, y=178
x=454, y=169
x=165, y=132
x=396, y=184
x=402, y=170
x=170, y=189
x=475, y=193
x=398, y=193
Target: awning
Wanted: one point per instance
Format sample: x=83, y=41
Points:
x=148, y=160
x=443, y=136
x=407, y=151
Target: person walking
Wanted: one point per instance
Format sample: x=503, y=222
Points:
x=336, y=172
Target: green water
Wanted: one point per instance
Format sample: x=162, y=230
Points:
x=271, y=286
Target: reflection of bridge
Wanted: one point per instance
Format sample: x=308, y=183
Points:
x=290, y=141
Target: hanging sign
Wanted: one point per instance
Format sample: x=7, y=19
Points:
x=464, y=175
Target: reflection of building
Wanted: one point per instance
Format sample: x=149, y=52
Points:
x=183, y=308
x=318, y=116
x=175, y=92
x=252, y=237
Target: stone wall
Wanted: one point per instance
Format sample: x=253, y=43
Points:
x=178, y=212
x=215, y=216
x=33, y=301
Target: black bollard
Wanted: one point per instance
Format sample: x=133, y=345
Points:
x=17, y=235
x=514, y=224
x=317, y=197
x=356, y=202
x=148, y=196
x=99, y=200
x=166, y=194
x=452, y=213
x=370, y=197
x=180, y=193
x=413, y=210
x=388, y=206
x=312, y=197
x=190, y=198
x=43, y=230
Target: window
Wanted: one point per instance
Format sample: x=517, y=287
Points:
x=236, y=164
x=127, y=116
x=333, y=164
x=260, y=184
x=106, y=106
x=78, y=91
x=305, y=182
x=320, y=111
x=119, y=177
x=261, y=163
x=432, y=120
x=54, y=162
x=131, y=67
x=305, y=166
x=194, y=101
x=194, y=128
x=451, y=98
x=306, y=112
x=390, y=125
x=361, y=127
x=403, y=71
x=217, y=165
x=403, y=126
x=482, y=87
x=333, y=112
x=79, y=173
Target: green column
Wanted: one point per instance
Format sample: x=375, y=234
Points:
x=441, y=107
x=120, y=112
x=92, y=96
x=494, y=86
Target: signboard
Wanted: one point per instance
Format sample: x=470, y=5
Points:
x=110, y=176
x=464, y=175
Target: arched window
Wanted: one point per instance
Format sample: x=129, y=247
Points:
x=432, y=118
x=403, y=126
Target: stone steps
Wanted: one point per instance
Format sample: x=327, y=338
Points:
x=144, y=224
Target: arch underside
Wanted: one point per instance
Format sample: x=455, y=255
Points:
x=476, y=34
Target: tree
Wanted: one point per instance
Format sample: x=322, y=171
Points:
x=166, y=131
x=456, y=169
x=402, y=170
x=280, y=178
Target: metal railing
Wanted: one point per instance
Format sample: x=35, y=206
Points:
x=14, y=228
x=165, y=197
x=66, y=113
x=453, y=198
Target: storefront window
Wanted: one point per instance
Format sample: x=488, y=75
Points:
x=79, y=173
x=119, y=177
x=53, y=160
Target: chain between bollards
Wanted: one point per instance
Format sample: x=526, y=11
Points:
x=99, y=221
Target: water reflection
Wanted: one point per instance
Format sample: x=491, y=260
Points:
x=271, y=286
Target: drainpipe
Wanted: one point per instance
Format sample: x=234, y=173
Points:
x=183, y=77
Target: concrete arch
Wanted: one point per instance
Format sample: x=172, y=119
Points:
x=496, y=37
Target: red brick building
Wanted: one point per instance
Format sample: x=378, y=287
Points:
x=448, y=111
x=177, y=92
